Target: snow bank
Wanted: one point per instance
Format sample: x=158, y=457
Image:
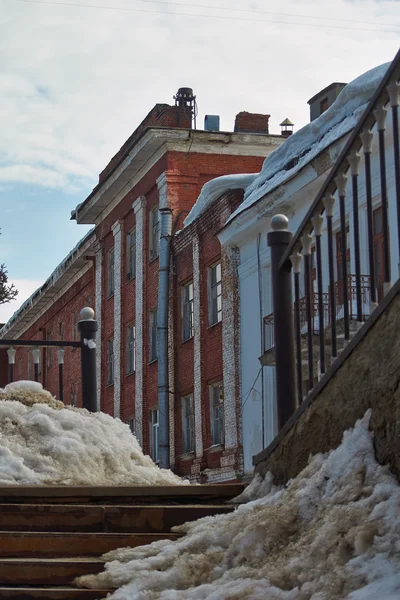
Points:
x=44, y=442
x=332, y=533
x=303, y=146
x=213, y=189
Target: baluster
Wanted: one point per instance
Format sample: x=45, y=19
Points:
x=11, y=352
x=394, y=92
x=306, y=242
x=354, y=162
x=366, y=139
x=318, y=221
x=296, y=264
x=60, y=359
x=380, y=116
x=341, y=182
x=329, y=202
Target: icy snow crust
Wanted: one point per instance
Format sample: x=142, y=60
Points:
x=213, y=189
x=44, y=442
x=313, y=138
x=332, y=533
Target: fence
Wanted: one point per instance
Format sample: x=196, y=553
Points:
x=88, y=328
x=301, y=356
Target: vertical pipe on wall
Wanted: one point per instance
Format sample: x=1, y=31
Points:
x=162, y=337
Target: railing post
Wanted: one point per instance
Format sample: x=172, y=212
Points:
x=60, y=359
x=88, y=328
x=278, y=240
x=36, y=362
x=11, y=352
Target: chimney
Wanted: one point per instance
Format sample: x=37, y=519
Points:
x=246, y=122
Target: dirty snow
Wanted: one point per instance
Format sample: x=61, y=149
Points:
x=332, y=533
x=44, y=442
x=304, y=145
x=213, y=189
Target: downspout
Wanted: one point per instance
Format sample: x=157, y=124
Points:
x=162, y=337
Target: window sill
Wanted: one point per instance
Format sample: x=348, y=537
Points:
x=187, y=340
x=215, y=324
x=187, y=456
x=153, y=258
x=129, y=279
x=153, y=360
x=130, y=374
x=108, y=385
x=214, y=448
x=110, y=296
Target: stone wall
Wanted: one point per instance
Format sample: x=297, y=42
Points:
x=368, y=378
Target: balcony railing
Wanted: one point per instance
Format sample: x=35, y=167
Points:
x=291, y=256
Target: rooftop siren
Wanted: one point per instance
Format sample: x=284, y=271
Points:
x=185, y=98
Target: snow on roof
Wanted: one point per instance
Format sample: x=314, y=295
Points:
x=307, y=143
x=44, y=442
x=333, y=532
x=213, y=189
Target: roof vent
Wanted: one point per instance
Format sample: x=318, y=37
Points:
x=211, y=123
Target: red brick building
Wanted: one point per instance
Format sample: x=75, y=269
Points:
x=114, y=269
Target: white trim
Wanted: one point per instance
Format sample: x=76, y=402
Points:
x=139, y=207
x=197, y=348
x=117, y=230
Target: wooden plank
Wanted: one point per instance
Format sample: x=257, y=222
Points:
x=56, y=593
x=49, y=572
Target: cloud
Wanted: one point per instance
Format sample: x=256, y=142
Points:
x=75, y=81
x=25, y=287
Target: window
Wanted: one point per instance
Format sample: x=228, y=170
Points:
x=187, y=424
x=130, y=350
x=61, y=330
x=214, y=295
x=132, y=425
x=49, y=352
x=217, y=413
x=110, y=272
x=74, y=394
x=130, y=255
x=323, y=105
x=154, y=434
x=154, y=233
x=187, y=311
x=110, y=362
x=153, y=334
x=75, y=326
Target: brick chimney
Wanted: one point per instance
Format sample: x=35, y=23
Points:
x=246, y=122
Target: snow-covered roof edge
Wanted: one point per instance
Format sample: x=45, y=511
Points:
x=213, y=189
x=50, y=281
x=315, y=137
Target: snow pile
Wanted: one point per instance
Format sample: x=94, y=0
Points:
x=213, y=189
x=303, y=146
x=44, y=442
x=332, y=533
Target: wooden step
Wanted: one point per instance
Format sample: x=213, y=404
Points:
x=56, y=593
x=91, y=518
x=48, y=571
x=17, y=544
x=139, y=494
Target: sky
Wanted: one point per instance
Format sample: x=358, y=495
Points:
x=77, y=77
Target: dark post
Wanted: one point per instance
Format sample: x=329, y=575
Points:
x=278, y=240
x=36, y=361
x=88, y=328
x=11, y=361
x=60, y=358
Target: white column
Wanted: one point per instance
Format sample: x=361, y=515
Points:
x=117, y=229
x=230, y=344
x=139, y=209
x=98, y=248
x=197, y=348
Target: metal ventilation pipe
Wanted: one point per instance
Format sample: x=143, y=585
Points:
x=162, y=337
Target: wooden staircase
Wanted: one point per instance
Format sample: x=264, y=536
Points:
x=50, y=535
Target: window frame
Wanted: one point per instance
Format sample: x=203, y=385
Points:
x=131, y=255
x=154, y=237
x=214, y=292
x=188, y=441
x=187, y=311
x=110, y=272
x=110, y=362
x=130, y=348
x=217, y=409
x=153, y=321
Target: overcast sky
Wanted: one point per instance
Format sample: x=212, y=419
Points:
x=75, y=81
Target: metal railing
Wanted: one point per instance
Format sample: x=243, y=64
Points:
x=88, y=328
x=291, y=255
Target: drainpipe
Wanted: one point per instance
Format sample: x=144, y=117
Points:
x=162, y=337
